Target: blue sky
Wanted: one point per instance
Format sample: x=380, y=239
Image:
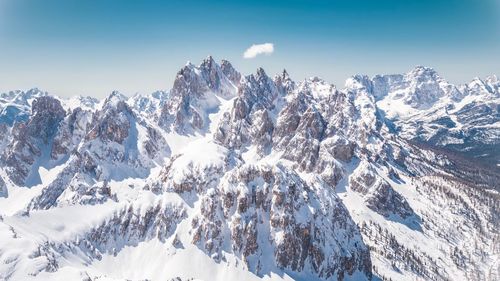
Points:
x=92, y=47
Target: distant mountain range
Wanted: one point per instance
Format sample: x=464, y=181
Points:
x=227, y=177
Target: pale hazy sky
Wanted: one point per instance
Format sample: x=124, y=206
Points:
x=92, y=47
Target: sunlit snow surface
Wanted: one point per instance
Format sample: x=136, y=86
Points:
x=152, y=259
x=31, y=239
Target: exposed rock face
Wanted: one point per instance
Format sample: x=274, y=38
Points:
x=232, y=74
x=69, y=179
x=111, y=144
x=128, y=226
x=195, y=94
x=31, y=138
x=3, y=188
x=112, y=122
x=46, y=114
x=306, y=131
x=378, y=193
x=119, y=136
x=133, y=225
x=249, y=118
x=71, y=132
x=340, y=148
x=260, y=207
x=78, y=192
x=257, y=205
x=309, y=123
x=284, y=83
x=5, y=136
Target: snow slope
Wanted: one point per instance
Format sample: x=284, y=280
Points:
x=229, y=177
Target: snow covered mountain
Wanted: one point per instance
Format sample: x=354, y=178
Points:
x=423, y=107
x=227, y=176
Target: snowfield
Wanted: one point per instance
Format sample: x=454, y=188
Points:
x=232, y=177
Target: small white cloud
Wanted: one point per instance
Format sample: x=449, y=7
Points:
x=258, y=49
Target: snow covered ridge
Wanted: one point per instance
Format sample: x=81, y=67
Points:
x=227, y=177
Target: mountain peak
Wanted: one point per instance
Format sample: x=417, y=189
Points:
x=479, y=86
x=23, y=97
x=284, y=74
x=231, y=73
x=261, y=178
x=114, y=99
x=284, y=82
x=34, y=91
x=492, y=80
x=226, y=62
x=117, y=95
x=209, y=58
x=282, y=77
x=208, y=62
x=316, y=79
x=261, y=72
x=423, y=68
x=423, y=72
